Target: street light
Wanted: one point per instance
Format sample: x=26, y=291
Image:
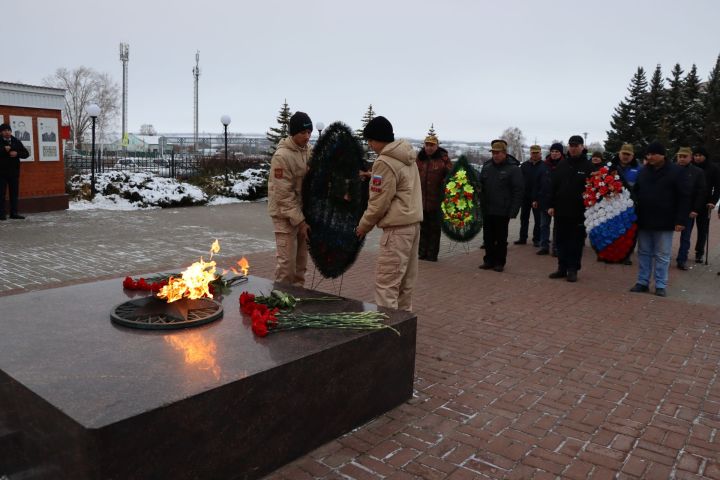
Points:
x=319, y=126
x=225, y=119
x=93, y=110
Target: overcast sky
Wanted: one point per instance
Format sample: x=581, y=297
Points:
x=473, y=68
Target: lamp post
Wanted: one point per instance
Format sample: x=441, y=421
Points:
x=93, y=110
x=319, y=126
x=225, y=119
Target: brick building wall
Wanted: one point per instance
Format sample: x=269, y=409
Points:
x=42, y=183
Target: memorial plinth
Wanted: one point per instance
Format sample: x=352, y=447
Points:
x=83, y=398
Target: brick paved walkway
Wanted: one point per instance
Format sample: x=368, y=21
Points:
x=517, y=375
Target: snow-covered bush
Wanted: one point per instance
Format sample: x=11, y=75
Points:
x=142, y=190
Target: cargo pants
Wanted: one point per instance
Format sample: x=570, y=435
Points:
x=397, y=266
x=291, y=253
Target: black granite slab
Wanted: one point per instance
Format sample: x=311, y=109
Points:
x=82, y=396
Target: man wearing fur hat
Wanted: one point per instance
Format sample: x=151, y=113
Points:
x=395, y=205
x=696, y=181
x=712, y=195
x=11, y=151
x=433, y=164
x=662, y=196
x=288, y=168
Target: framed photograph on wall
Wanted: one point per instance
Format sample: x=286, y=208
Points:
x=23, y=131
x=49, y=136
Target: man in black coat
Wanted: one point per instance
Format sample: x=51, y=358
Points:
x=696, y=182
x=533, y=171
x=501, y=192
x=712, y=195
x=662, y=196
x=567, y=207
x=11, y=151
x=552, y=160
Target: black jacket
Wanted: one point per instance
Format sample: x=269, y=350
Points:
x=11, y=165
x=545, y=181
x=696, y=182
x=712, y=181
x=533, y=174
x=662, y=196
x=567, y=184
x=501, y=188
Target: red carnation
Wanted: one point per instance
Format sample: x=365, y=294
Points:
x=129, y=283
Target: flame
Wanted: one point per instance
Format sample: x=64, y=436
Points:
x=244, y=265
x=194, y=282
x=214, y=248
x=198, y=351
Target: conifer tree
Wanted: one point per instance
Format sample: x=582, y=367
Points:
x=431, y=132
x=275, y=134
x=630, y=118
x=676, y=108
x=711, y=101
x=656, y=109
x=369, y=115
x=694, y=109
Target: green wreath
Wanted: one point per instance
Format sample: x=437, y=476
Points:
x=462, y=219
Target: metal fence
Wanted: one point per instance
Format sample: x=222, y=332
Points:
x=173, y=165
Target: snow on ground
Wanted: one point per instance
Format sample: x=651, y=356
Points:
x=140, y=190
x=110, y=202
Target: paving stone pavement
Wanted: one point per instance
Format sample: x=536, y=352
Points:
x=517, y=376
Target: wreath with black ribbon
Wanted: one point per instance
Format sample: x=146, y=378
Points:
x=334, y=199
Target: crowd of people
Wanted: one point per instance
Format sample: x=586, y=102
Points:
x=406, y=191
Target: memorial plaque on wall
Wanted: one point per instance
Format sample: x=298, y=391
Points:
x=23, y=131
x=49, y=147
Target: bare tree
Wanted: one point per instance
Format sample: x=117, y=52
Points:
x=515, y=140
x=84, y=86
x=147, y=129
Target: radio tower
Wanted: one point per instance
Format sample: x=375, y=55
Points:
x=124, y=58
x=196, y=74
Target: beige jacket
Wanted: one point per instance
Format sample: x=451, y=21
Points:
x=288, y=167
x=395, y=194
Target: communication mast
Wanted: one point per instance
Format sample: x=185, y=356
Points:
x=196, y=74
x=124, y=58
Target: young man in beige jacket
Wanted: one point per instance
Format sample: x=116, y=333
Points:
x=395, y=205
x=288, y=167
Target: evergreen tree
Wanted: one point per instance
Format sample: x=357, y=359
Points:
x=431, y=132
x=275, y=134
x=676, y=108
x=369, y=115
x=630, y=119
x=694, y=109
x=711, y=101
x=656, y=109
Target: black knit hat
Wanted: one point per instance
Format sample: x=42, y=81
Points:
x=700, y=151
x=655, y=147
x=299, y=122
x=556, y=146
x=380, y=129
x=4, y=127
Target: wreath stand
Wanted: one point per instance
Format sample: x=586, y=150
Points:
x=337, y=290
